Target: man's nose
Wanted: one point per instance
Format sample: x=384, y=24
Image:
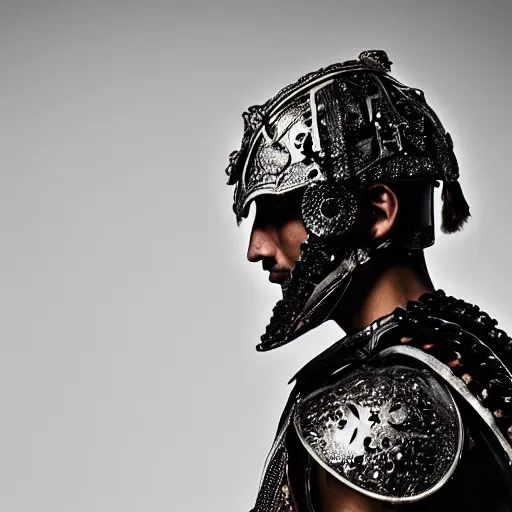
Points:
x=261, y=245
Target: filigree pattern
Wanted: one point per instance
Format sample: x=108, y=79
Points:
x=392, y=432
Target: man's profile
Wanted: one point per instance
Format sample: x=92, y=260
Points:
x=412, y=410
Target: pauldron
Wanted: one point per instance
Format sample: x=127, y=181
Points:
x=397, y=411
x=392, y=433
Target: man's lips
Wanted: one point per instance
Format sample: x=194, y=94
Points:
x=278, y=276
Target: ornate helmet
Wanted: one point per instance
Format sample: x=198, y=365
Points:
x=334, y=133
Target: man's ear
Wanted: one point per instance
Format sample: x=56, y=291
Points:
x=384, y=205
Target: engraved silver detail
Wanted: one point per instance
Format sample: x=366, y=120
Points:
x=392, y=433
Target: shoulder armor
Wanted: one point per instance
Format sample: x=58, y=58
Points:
x=391, y=432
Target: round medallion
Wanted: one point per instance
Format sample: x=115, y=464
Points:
x=328, y=210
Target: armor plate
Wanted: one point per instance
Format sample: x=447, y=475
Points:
x=393, y=433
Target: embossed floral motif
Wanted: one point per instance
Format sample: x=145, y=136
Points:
x=391, y=430
x=253, y=119
x=233, y=162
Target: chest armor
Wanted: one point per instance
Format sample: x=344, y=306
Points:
x=415, y=410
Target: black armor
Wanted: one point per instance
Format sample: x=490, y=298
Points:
x=416, y=410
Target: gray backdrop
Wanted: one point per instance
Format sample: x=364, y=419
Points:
x=128, y=376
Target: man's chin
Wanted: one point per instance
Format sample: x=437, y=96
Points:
x=279, y=277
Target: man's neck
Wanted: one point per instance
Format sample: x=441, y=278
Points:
x=379, y=290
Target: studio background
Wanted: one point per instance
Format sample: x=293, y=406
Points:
x=128, y=375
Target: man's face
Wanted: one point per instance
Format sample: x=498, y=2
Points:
x=277, y=233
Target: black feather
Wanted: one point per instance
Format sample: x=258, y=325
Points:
x=455, y=208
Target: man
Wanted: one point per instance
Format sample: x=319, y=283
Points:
x=412, y=410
